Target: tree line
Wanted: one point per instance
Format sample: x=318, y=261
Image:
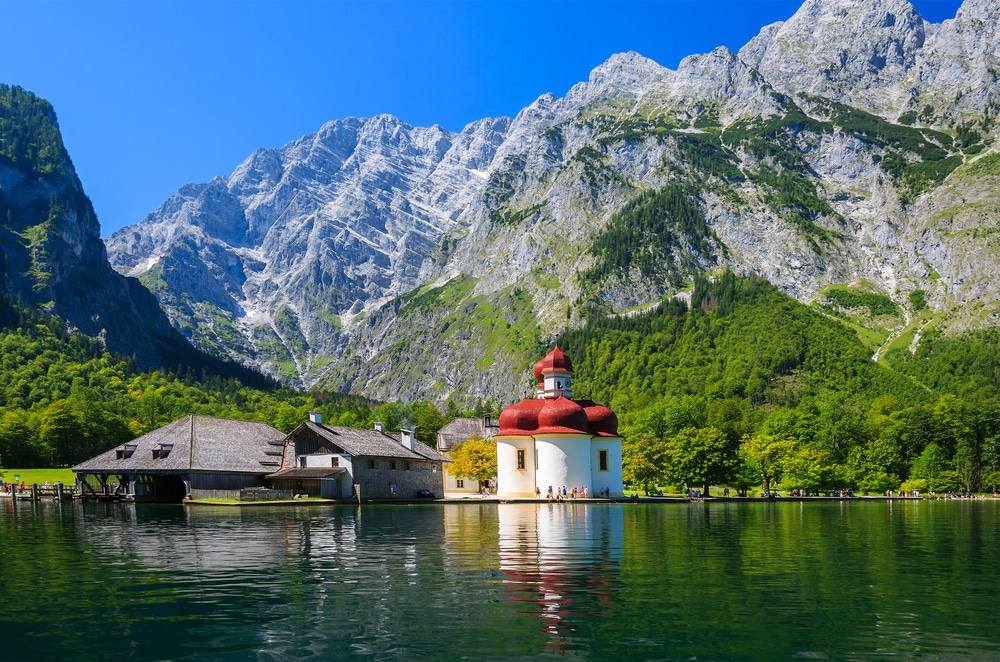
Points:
x=64, y=399
x=748, y=388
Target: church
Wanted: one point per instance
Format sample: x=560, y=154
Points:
x=554, y=440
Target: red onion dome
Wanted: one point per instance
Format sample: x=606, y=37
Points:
x=521, y=417
x=555, y=361
x=562, y=415
x=603, y=422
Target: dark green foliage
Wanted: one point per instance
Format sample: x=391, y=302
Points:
x=917, y=300
x=514, y=216
x=876, y=303
x=707, y=119
x=63, y=398
x=598, y=174
x=633, y=128
x=647, y=234
x=741, y=339
x=29, y=133
x=966, y=134
x=908, y=118
x=794, y=196
x=918, y=158
x=930, y=144
x=968, y=365
x=747, y=360
x=704, y=153
x=774, y=137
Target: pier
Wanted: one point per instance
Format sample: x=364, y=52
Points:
x=36, y=492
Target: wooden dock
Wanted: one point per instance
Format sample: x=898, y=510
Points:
x=35, y=492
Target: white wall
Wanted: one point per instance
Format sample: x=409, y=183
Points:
x=511, y=481
x=563, y=460
x=471, y=485
x=612, y=478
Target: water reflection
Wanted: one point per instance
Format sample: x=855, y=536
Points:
x=562, y=563
x=756, y=582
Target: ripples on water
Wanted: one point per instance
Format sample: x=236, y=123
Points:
x=828, y=581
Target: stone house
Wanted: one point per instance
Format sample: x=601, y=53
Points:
x=339, y=462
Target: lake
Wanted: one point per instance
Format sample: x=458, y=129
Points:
x=858, y=580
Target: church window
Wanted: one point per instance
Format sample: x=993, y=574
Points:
x=520, y=458
x=602, y=460
x=459, y=483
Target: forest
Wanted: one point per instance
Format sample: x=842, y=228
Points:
x=750, y=389
x=63, y=398
x=745, y=387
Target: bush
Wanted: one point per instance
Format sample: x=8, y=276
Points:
x=915, y=484
x=946, y=481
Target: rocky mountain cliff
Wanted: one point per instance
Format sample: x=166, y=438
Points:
x=847, y=155
x=52, y=254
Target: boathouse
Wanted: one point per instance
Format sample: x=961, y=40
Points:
x=554, y=440
x=334, y=461
x=193, y=457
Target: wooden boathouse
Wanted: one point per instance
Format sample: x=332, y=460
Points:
x=194, y=457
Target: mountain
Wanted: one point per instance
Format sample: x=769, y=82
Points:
x=52, y=256
x=846, y=155
x=274, y=260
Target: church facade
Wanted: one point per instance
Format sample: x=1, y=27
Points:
x=552, y=440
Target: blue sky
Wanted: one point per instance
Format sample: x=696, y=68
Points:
x=153, y=95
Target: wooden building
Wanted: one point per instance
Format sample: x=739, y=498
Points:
x=193, y=457
x=339, y=462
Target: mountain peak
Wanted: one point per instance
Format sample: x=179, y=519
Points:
x=983, y=10
x=849, y=50
x=626, y=68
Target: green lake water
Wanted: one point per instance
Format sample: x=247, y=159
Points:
x=851, y=580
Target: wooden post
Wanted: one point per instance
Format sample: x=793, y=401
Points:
x=59, y=491
x=34, y=491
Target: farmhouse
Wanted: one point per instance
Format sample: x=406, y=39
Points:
x=553, y=441
x=193, y=457
x=340, y=462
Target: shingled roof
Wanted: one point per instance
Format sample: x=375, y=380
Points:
x=371, y=443
x=195, y=443
x=460, y=429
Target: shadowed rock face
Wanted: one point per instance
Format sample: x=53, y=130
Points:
x=392, y=260
x=53, y=256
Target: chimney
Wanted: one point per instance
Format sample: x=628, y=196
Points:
x=407, y=437
x=316, y=417
x=379, y=426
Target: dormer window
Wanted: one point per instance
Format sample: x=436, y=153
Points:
x=125, y=451
x=161, y=451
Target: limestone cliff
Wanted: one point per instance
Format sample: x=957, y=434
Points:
x=853, y=144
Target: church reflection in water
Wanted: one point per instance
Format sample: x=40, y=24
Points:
x=562, y=563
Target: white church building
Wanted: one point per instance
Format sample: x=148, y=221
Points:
x=553, y=440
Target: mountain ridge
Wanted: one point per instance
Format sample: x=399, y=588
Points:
x=775, y=160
